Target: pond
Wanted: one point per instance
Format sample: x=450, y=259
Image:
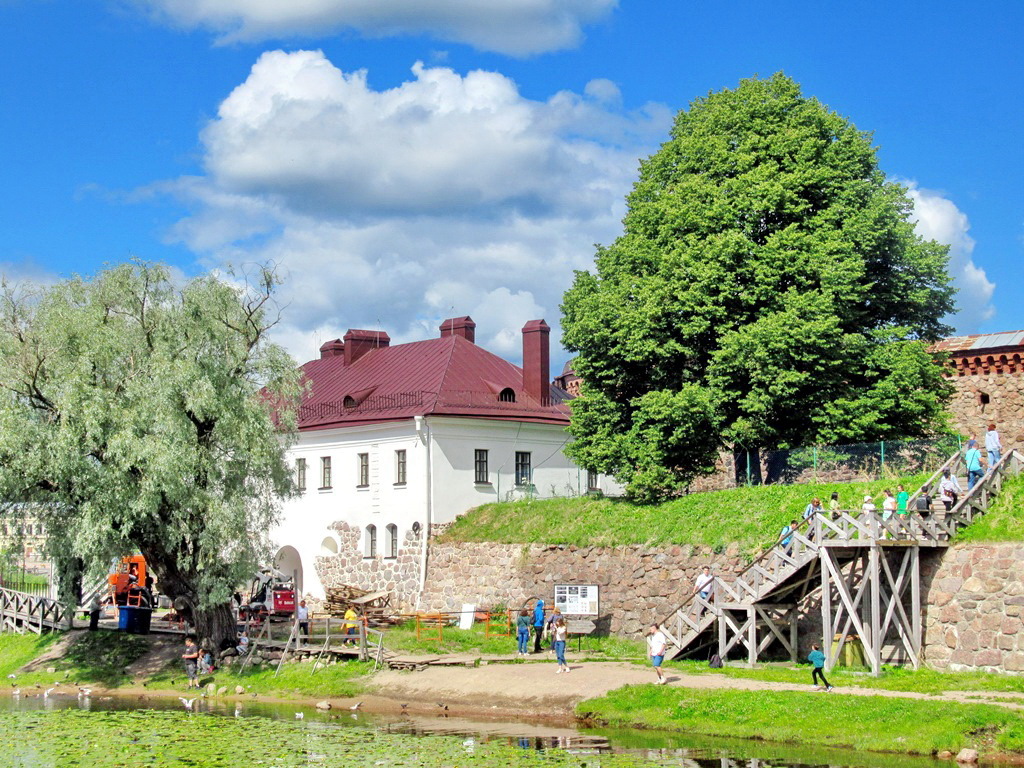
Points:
x=54, y=732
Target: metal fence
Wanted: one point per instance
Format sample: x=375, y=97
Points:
x=841, y=463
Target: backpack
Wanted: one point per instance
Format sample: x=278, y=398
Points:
x=715, y=662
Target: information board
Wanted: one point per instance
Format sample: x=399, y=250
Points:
x=577, y=599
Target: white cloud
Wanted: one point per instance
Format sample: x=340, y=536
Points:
x=518, y=27
x=938, y=218
x=448, y=195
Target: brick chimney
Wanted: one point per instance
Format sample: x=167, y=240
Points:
x=536, y=360
x=459, y=326
x=332, y=348
x=359, y=342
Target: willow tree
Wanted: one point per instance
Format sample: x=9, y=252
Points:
x=137, y=415
x=768, y=291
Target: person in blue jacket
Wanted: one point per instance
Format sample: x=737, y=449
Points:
x=817, y=658
x=538, y=624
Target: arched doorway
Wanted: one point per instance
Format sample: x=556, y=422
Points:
x=288, y=561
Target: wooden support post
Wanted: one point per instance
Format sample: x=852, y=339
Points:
x=915, y=604
x=826, y=610
x=751, y=637
x=793, y=616
x=874, y=581
x=721, y=635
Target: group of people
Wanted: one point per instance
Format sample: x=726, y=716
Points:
x=554, y=626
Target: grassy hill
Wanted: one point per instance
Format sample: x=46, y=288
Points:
x=751, y=517
x=1004, y=520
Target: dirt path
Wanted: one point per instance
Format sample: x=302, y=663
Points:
x=535, y=688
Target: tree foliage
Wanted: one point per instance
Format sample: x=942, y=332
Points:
x=768, y=270
x=137, y=416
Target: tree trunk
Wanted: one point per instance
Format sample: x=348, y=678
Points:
x=212, y=624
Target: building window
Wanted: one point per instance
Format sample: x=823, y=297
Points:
x=325, y=472
x=480, y=466
x=400, y=467
x=300, y=475
x=507, y=395
x=524, y=473
x=392, y=542
x=592, y=480
x=371, y=541
x=39, y=529
x=364, y=470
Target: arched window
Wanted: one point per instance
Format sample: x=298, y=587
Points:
x=349, y=401
x=371, y=541
x=391, y=549
x=507, y=395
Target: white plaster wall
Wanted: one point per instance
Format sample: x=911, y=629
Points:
x=307, y=519
x=449, y=491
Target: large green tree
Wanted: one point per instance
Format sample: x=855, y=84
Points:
x=137, y=415
x=768, y=291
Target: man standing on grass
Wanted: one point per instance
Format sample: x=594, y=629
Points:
x=817, y=658
x=657, y=642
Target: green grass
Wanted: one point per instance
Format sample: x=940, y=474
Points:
x=94, y=657
x=750, y=517
x=342, y=680
x=1004, y=521
x=862, y=722
x=402, y=639
x=18, y=650
x=928, y=681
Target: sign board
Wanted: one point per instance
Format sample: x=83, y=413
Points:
x=580, y=626
x=466, y=615
x=577, y=599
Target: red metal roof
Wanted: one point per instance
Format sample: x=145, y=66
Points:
x=980, y=341
x=447, y=376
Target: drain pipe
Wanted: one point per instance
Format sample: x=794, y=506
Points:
x=423, y=432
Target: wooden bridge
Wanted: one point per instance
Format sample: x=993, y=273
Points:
x=862, y=569
x=22, y=612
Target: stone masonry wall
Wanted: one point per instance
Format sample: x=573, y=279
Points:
x=638, y=585
x=1005, y=406
x=974, y=604
x=397, y=575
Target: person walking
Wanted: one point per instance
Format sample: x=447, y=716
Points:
x=786, y=537
x=888, y=505
x=538, y=624
x=924, y=501
x=975, y=465
x=657, y=642
x=560, y=633
x=902, y=500
x=523, y=632
x=949, y=490
x=833, y=505
x=549, y=628
x=817, y=658
x=704, y=586
x=993, y=446
x=868, y=505
x=302, y=617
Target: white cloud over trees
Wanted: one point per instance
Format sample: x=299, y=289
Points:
x=938, y=218
x=517, y=27
x=449, y=194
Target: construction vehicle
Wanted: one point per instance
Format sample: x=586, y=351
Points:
x=270, y=594
x=128, y=583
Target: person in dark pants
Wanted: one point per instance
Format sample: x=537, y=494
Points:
x=94, y=613
x=538, y=624
x=817, y=658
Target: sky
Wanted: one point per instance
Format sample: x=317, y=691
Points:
x=406, y=161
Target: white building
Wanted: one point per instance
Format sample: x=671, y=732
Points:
x=394, y=441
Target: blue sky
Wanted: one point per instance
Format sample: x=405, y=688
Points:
x=407, y=161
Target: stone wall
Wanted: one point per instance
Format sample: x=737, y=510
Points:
x=983, y=398
x=974, y=603
x=398, y=575
x=638, y=585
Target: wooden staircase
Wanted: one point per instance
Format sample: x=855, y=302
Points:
x=864, y=569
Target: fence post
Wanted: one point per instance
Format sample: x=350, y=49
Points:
x=882, y=467
x=814, y=453
x=748, y=467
